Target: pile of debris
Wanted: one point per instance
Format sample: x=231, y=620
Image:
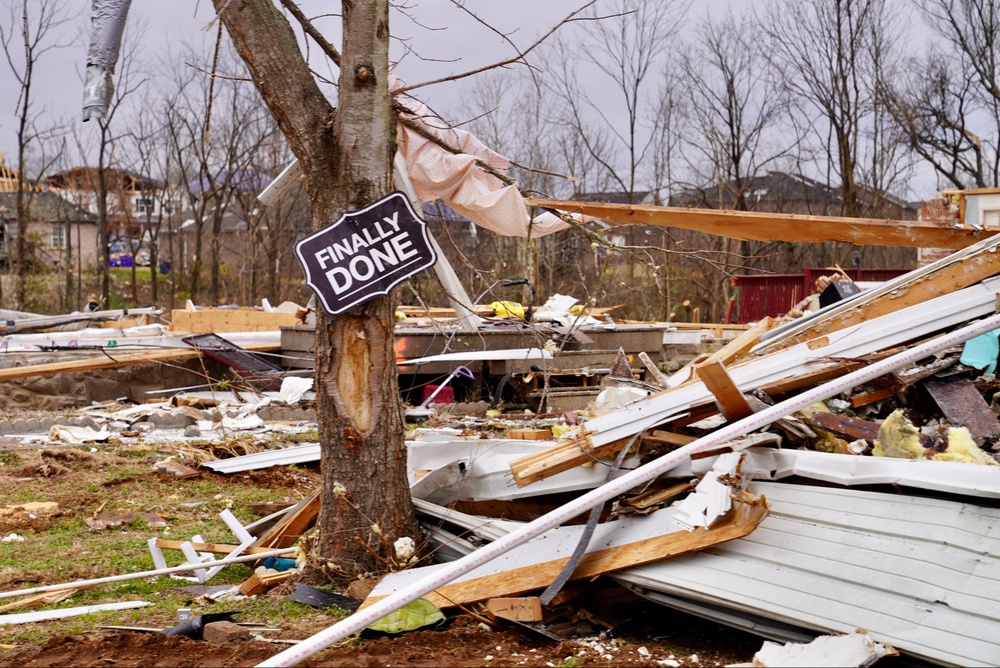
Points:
x=835, y=472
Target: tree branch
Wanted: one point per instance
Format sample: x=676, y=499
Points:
x=502, y=63
x=311, y=30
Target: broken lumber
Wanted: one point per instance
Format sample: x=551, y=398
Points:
x=855, y=428
x=290, y=528
x=962, y=404
x=39, y=600
x=761, y=226
x=209, y=321
x=732, y=402
x=450, y=571
x=955, y=272
x=519, y=609
x=112, y=360
x=745, y=517
x=258, y=584
x=214, y=548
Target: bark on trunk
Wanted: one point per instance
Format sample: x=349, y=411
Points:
x=346, y=159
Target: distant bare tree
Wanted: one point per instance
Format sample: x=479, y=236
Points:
x=28, y=32
x=948, y=102
x=626, y=51
x=829, y=53
x=216, y=131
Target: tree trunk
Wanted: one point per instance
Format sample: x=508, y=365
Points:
x=346, y=159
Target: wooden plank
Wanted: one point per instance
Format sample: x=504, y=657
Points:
x=860, y=400
x=214, y=548
x=207, y=321
x=668, y=437
x=962, y=404
x=114, y=360
x=296, y=522
x=761, y=226
x=258, y=584
x=654, y=372
x=38, y=600
x=530, y=434
x=952, y=276
x=855, y=428
x=516, y=609
x=741, y=521
x=734, y=405
x=739, y=346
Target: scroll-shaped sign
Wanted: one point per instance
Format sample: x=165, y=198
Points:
x=365, y=253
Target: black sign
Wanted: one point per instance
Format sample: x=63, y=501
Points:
x=365, y=253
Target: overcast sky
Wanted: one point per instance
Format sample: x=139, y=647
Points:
x=447, y=40
x=448, y=35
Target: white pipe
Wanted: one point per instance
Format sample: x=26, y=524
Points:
x=147, y=574
x=363, y=618
x=279, y=186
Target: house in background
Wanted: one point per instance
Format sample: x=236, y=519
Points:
x=781, y=192
x=52, y=224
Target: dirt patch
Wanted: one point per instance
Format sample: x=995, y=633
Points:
x=462, y=643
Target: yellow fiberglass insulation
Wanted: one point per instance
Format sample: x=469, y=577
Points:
x=897, y=437
x=961, y=448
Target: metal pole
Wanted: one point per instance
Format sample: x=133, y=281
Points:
x=147, y=574
x=455, y=569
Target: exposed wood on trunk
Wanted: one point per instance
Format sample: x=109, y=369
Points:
x=758, y=226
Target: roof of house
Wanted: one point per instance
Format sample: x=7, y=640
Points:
x=85, y=178
x=45, y=206
x=774, y=189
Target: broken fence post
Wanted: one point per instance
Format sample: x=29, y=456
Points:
x=393, y=602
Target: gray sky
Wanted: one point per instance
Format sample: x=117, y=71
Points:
x=168, y=25
x=447, y=40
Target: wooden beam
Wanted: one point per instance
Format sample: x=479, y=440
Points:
x=38, y=600
x=296, y=522
x=214, y=548
x=759, y=226
x=734, y=405
x=516, y=609
x=207, y=321
x=955, y=276
x=113, y=360
x=668, y=438
x=744, y=518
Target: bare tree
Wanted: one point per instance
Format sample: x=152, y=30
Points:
x=26, y=35
x=346, y=156
x=829, y=54
x=626, y=51
x=216, y=128
x=947, y=103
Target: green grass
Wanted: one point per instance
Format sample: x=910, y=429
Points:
x=64, y=549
